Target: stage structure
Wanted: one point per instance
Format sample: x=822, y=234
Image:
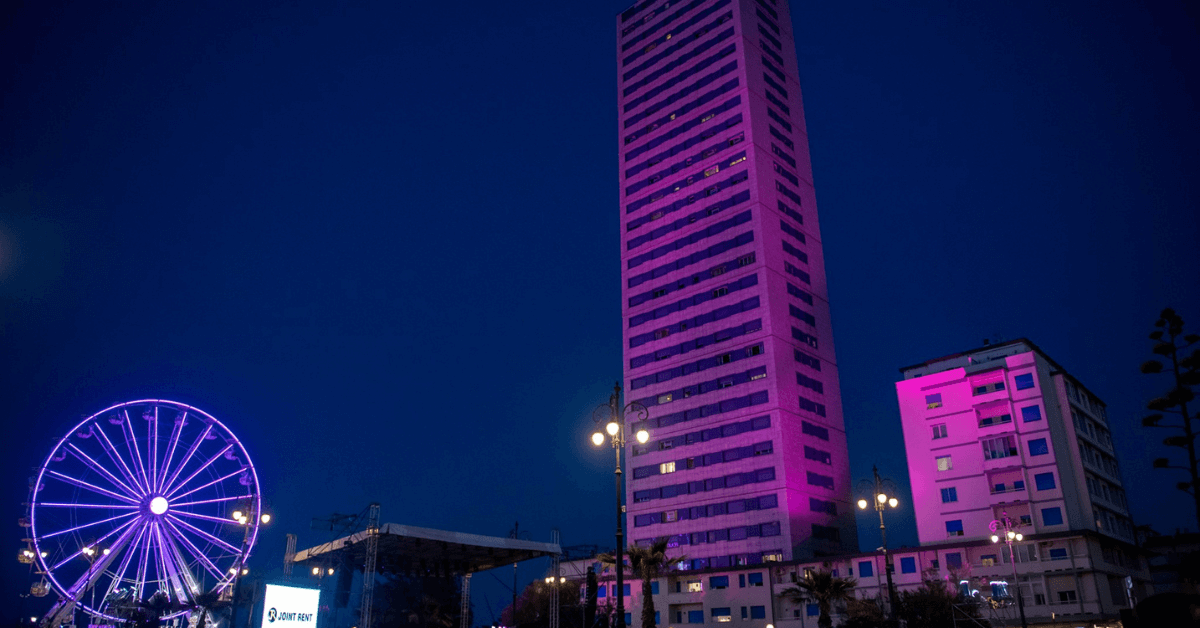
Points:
x=392, y=548
x=148, y=506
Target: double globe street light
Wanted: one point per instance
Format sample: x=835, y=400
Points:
x=881, y=501
x=613, y=416
x=1007, y=530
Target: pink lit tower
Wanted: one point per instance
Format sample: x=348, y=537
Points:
x=727, y=335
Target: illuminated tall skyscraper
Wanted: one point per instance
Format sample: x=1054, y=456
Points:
x=727, y=335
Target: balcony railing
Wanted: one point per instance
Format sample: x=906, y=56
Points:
x=995, y=420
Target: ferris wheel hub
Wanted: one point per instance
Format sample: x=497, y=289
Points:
x=159, y=505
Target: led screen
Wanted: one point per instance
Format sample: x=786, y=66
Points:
x=290, y=607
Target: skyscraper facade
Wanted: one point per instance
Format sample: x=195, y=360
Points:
x=1004, y=429
x=727, y=337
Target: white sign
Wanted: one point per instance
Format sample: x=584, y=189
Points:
x=290, y=607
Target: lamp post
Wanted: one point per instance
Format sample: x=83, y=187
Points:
x=612, y=415
x=242, y=516
x=1006, y=530
x=878, y=491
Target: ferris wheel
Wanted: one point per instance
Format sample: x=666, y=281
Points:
x=145, y=501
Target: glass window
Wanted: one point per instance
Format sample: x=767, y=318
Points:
x=755, y=579
x=602, y=591
x=758, y=612
x=1059, y=553
x=954, y=560
x=954, y=527
x=866, y=569
x=654, y=591
x=722, y=614
x=1038, y=447
x=719, y=582
x=1023, y=381
x=1044, y=481
x=625, y=589
x=944, y=463
x=1052, y=516
x=939, y=431
x=695, y=617
x=908, y=564
x=933, y=401
x=1030, y=414
x=812, y=610
x=949, y=495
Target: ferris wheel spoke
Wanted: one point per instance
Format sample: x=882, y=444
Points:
x=222, y=520
x=204, y=486
x=115, y=456
x=86, y=525
x=171, y=490
x=195, y=551
x=98, y=541
x=188, y=456
x=161, y=566
x=119, y=574
x=206, y=536
x=176, y=432
x=95, y=466
x=183, y=579
x=91, y=487
x=97, y=567
x=113, y=506
x=213, y=501
x=154, y=450
x=131, y=445
x=143, y=564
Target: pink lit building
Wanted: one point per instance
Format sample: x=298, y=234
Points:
x=727, y=337
x=1003, y=428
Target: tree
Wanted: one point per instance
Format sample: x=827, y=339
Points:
x=936, y=604
x=647, y=563
x=1171, y=342
x=534, y=606
x=821, y=587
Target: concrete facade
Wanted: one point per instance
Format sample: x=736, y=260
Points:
x=727, y=338
x=1003, y=428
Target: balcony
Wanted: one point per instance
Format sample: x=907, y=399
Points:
x=1004, y=419
x=1008, y=493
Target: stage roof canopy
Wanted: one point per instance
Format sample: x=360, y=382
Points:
x=411, y=550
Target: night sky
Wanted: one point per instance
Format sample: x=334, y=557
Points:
x=380, y=241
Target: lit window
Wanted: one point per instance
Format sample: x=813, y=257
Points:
x=944, y=463
x=933, y=401
x=667, y=467
x=665, y=398
x=695, y=586
x=987, y=560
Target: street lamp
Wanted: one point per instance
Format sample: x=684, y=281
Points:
x=613, y=415
x=882, y=501
x=1007, y=531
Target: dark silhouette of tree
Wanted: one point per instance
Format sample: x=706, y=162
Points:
x=821, y=587
x=937, y=604
x=592, y=590
x=1171, y=343
x=534, y=604
x=647, y=564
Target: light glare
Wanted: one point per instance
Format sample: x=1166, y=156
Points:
x=995, y=539
x=643, y=436
x=612, y=428
x=158, y=505
x=893, y=502
x=598, y=439
x=882, y=498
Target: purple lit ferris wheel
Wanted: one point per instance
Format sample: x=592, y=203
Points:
x=145, y=499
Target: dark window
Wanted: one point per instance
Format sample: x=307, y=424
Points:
x=1044, y=481
x=1023, y=381
x=908, y=564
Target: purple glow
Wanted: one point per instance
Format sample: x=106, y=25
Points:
x=95, y=466
x=115, y=456
x=81, y=484
x=171, y=489
x=175, y=434
x=150, y=551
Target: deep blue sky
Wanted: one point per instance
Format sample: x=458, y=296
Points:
x=380, y=240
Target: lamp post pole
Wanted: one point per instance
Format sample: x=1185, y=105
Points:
x=1005, y=529
x=613, y=415
x=879, y=497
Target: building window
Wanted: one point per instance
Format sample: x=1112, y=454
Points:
x=722, y=614
x=812, y=610
x=1066, y=596
x=953, y=560
x=866, y=569
x=695, y=617
x=1038, y=447
x=1029, y=414
x=1052, y=516
x=814, y=430
x=933, y=401
x=908, y=564
x=664, y=398
x=1044, y=481
x=954, y=528
x=1023, y=381
x=695, y=586
x=999, y=447
x=949, y=495
x=987, y=560
x=667, y=467
x=758, y=612
x=719, y=582
x=1058, y=553
x=939, y=431
x=755, y=579
x=944, y=463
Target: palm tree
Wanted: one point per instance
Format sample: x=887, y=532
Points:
x=648, y=563
x=821, y=587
